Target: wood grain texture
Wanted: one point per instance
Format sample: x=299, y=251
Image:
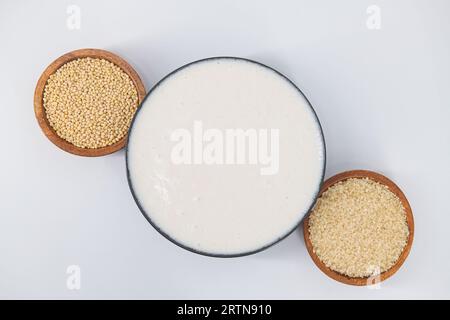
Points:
x=39, y=105
x=409, y=218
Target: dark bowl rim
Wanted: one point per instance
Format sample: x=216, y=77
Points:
x=205, y=253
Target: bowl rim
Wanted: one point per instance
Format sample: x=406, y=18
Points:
x=39, y=109
x=206, y=253
x=377, y=177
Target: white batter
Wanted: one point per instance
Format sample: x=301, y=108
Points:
x=219, y=207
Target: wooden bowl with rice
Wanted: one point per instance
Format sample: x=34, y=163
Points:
x=375, y=277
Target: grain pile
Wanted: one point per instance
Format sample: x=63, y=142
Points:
x=358, y=227
x=90, y=102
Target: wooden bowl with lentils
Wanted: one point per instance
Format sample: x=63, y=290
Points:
x=85, y=101
x=361, y=228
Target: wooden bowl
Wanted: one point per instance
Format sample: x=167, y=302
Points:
x=39, y=105
x=409, y=219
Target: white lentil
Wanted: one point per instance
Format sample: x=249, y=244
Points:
x=358, y=226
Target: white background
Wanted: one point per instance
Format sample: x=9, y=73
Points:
x=382, y=97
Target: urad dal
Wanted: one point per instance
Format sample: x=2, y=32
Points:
x=90, y=102
x=221, y=208
x=358, y=227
